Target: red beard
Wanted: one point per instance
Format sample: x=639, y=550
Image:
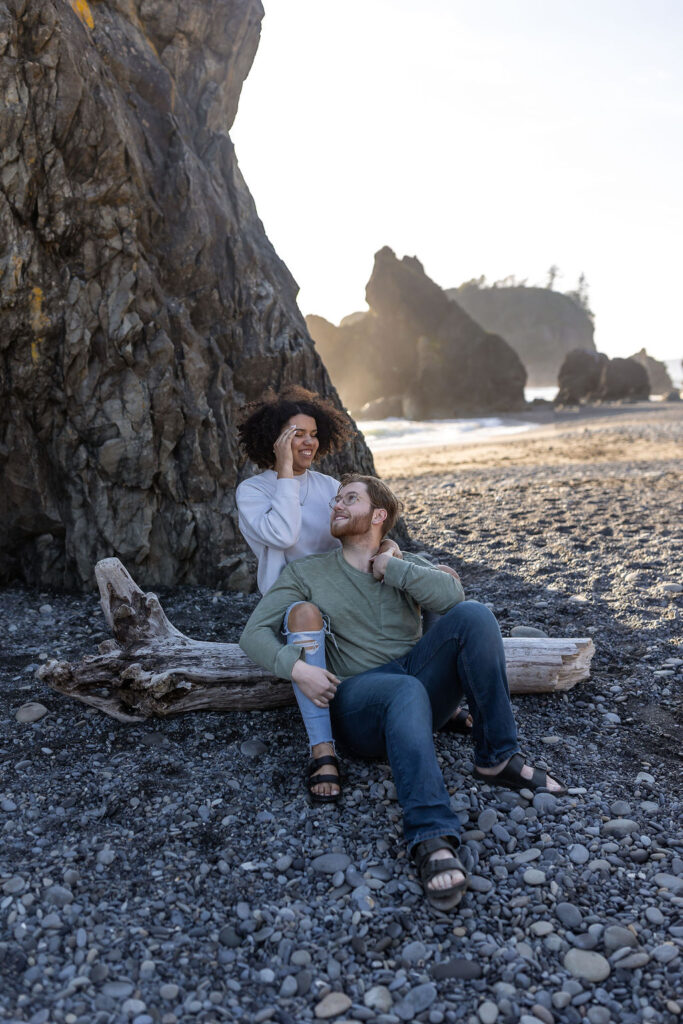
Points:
x=354, y=526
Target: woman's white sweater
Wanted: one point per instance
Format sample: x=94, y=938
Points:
x=282, y=520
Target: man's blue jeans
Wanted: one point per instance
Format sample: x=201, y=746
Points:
x=393, y=710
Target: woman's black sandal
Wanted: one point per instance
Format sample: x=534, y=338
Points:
x=511, y=778
x=315, y=780
x=428, y=868
x=458, y=723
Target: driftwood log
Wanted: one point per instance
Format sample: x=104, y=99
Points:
x=151, y=668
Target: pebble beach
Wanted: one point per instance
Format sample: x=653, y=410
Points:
x=173, y=871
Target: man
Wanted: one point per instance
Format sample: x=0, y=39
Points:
x=388, y=688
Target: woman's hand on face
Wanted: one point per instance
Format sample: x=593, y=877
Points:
x=284, y=456
x=317, y=684
x=390, y=546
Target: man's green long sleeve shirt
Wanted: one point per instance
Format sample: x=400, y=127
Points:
x=372, y=622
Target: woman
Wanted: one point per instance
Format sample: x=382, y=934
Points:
x=284, y=515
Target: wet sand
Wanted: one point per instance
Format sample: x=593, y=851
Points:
x=640, y=433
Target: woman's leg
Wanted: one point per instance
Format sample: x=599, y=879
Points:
x=304, y=627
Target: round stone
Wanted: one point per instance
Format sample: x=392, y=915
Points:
x=13, y=885
x=598, y=1015
x=413, y=952
x=587, y=965
x=253, y=748
x=488, y=1012
x=133, y=1006
x=458, y=967
x=671, y=882
x=569, y=915
x=532, y=876
x=117, y=989
x=330, y=863
x=418, y=999
x=332, y=1005
x=379, y=999
x=578, y=854
x=169, y=992
x=289, y=987
x=619, y=827
x=30, y=712
x=487, y=819
x=545, y=803
x=616, y=937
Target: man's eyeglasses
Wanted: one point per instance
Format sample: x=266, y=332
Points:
x=346, y=500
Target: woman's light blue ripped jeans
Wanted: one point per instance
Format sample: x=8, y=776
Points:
x=316, y=720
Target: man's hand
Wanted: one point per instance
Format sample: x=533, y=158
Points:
x=317, y=684
x=284, y=457
x=390, y=546
x=379, y=564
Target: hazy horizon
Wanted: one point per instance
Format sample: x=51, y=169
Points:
x=494, y=140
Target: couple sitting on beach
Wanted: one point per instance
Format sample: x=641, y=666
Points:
x=378, y=686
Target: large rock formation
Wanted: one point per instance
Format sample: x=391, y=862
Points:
x=593, y=377
x=417, y=349
x=142, y=304
x=541, y=325
x=658, y=375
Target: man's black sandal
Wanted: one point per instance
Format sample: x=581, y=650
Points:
x=427, y=868
x=458, y=723
x=315, y=780
x=511, y=778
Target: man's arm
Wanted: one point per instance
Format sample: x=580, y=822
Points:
x=431, y=588
x=260, y=639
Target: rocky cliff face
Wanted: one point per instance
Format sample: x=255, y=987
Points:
x=142, y=304
x=541, y=325
x=416, y=353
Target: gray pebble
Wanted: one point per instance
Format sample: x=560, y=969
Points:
x=289, y=987
x=671, y=882
x=569, y=915
x=117, y=989
x=30, y=712
x=615, y=937
x=330, y=863
x=488, y=1012
x=587, y=965
x=378, y=998
x=487, y=819
x=578, y=853
x=413, y=952
x=619, y=827
x=253, y=748
x=418, y=999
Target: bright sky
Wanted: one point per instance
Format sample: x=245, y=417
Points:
x=492, y=137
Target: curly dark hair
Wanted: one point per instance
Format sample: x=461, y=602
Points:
x=263, y=422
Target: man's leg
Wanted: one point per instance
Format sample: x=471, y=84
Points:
x=385, y=712
x=461, y=720
x=304, y=626
x=463, y=652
